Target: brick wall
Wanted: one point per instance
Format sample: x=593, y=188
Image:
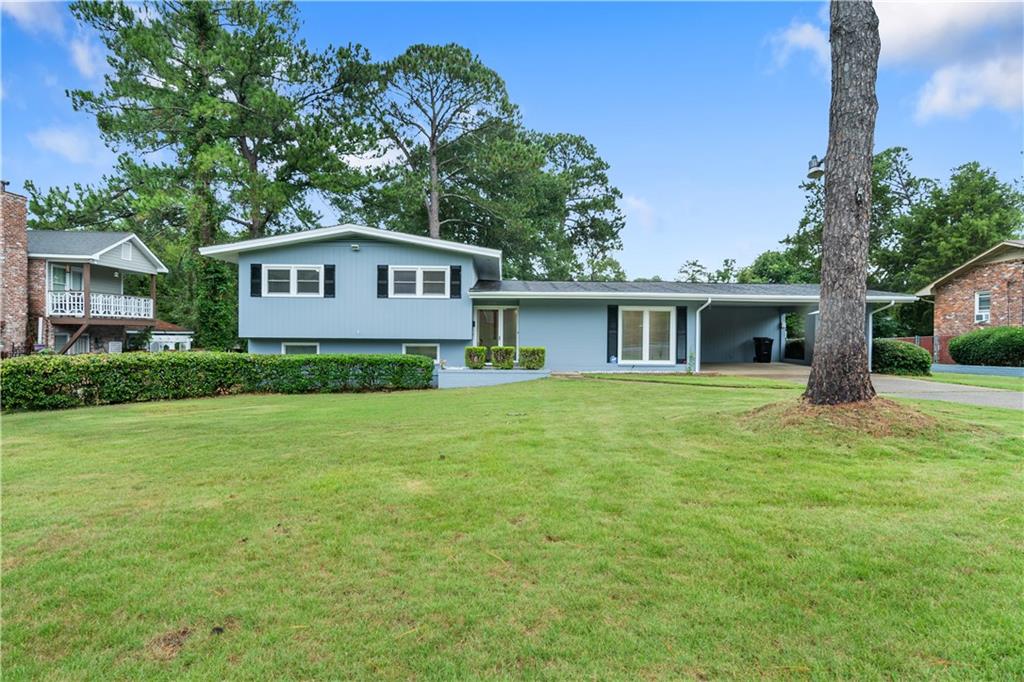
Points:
x=13, y=273
x=954, y=300
x=37, y=302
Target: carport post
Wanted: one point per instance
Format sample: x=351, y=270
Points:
x=696, y=355
x=871, y=330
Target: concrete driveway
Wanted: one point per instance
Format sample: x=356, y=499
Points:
x=890, y=386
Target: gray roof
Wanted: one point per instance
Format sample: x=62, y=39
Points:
x=682, y=289
x=71, y=243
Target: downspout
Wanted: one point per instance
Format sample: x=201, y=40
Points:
x=871, y=330
x=696, y=355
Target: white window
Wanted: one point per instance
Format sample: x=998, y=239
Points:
x=127, y=251
x=300, y=348
x=647, y=335
x=427, y=350
x=418, y=281
x=60, y=339
x=293, y=280
x=982, y=307
x=65, y=277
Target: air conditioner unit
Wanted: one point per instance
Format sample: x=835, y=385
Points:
x=981, y=317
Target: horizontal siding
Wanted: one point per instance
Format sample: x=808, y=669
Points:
x=355, y=312
x=727, y=332
x=138, y=263
x=452, y=352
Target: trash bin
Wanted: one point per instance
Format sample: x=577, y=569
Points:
x=763, y=349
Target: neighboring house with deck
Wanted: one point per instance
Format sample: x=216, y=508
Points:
x=64, y=290
x=353, y=289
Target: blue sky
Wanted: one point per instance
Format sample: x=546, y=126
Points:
x=707, y=112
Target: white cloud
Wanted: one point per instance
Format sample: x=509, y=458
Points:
x=638, y=212
x=86, y=55
x=800, y=37
x=938, y=31
x=972, y=48
x=36, y=17
x=383, y=156
x=73, y=144
x=960, y=89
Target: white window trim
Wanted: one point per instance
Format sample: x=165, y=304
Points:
x=420, y=269
x=71, y=351
x=75, y=267
x=501, y=325
x=436, y=346
x=293, y=279
x=980, y=316
x=126, y=251
x=285, y=344
x=647, y=310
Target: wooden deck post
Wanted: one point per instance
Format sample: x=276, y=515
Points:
x=152, y=293
x=87, y=295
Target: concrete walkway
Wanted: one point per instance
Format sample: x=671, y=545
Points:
x=898, y=387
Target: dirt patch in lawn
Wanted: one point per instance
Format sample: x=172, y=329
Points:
x=166, y=646
x=879, y=417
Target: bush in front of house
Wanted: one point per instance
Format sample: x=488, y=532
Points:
x=531, y=357
x=794, y=349
x=503, y=357
x=995, y=346
x=39, y=382
x=476, y=357
x=890, y=356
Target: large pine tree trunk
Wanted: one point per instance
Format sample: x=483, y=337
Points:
x=840, y=373
x=433, y=208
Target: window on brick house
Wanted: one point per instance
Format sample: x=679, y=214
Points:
x=982, y=307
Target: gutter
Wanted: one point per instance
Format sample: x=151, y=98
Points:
x=696, y=356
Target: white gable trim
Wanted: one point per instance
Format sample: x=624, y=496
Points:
x=160, y=267
x=229, y=252
x=1006, y=245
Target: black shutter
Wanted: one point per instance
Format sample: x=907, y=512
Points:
x=455, y=281
x=681, y=335
x=613, y=331
x=382, y=281
x=328, y=281
x=255, y=279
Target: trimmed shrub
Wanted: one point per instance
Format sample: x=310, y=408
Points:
x=476, y=357
x=503, y=357
x=39, y=382
x=794, y=349
x=890, y=356
x=997, y=346
x=531, y=357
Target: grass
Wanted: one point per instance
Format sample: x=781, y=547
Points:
x=985, y=381
x=550, y=529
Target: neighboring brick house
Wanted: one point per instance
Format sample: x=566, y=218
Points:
x=64, y=290
x=986, y=291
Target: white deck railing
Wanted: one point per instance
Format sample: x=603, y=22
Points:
x=72, y=304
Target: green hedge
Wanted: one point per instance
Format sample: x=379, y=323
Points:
x=531, y=357
x=476, y=357
x=890, y=356
x=998, y=346
x=39, y=382
x=503, y=357
x=794, y=349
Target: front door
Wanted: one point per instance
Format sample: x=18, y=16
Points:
x=497, y=326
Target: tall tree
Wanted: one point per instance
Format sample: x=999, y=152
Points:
x=216, y=108
x=431, y=97
x=695, y=271
x=839, y=371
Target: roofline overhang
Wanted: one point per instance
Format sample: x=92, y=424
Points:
x=95, y=257
x=738, y=298
x=1006, y=244
x=229, y=252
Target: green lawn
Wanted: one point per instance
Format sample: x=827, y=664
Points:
x=550, y=529
x=1008, y=383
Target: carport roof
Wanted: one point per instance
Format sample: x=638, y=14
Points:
x=787, y=293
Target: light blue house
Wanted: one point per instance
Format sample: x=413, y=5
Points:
x=352, y=289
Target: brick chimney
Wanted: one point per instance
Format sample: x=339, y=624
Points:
x=13, y=272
